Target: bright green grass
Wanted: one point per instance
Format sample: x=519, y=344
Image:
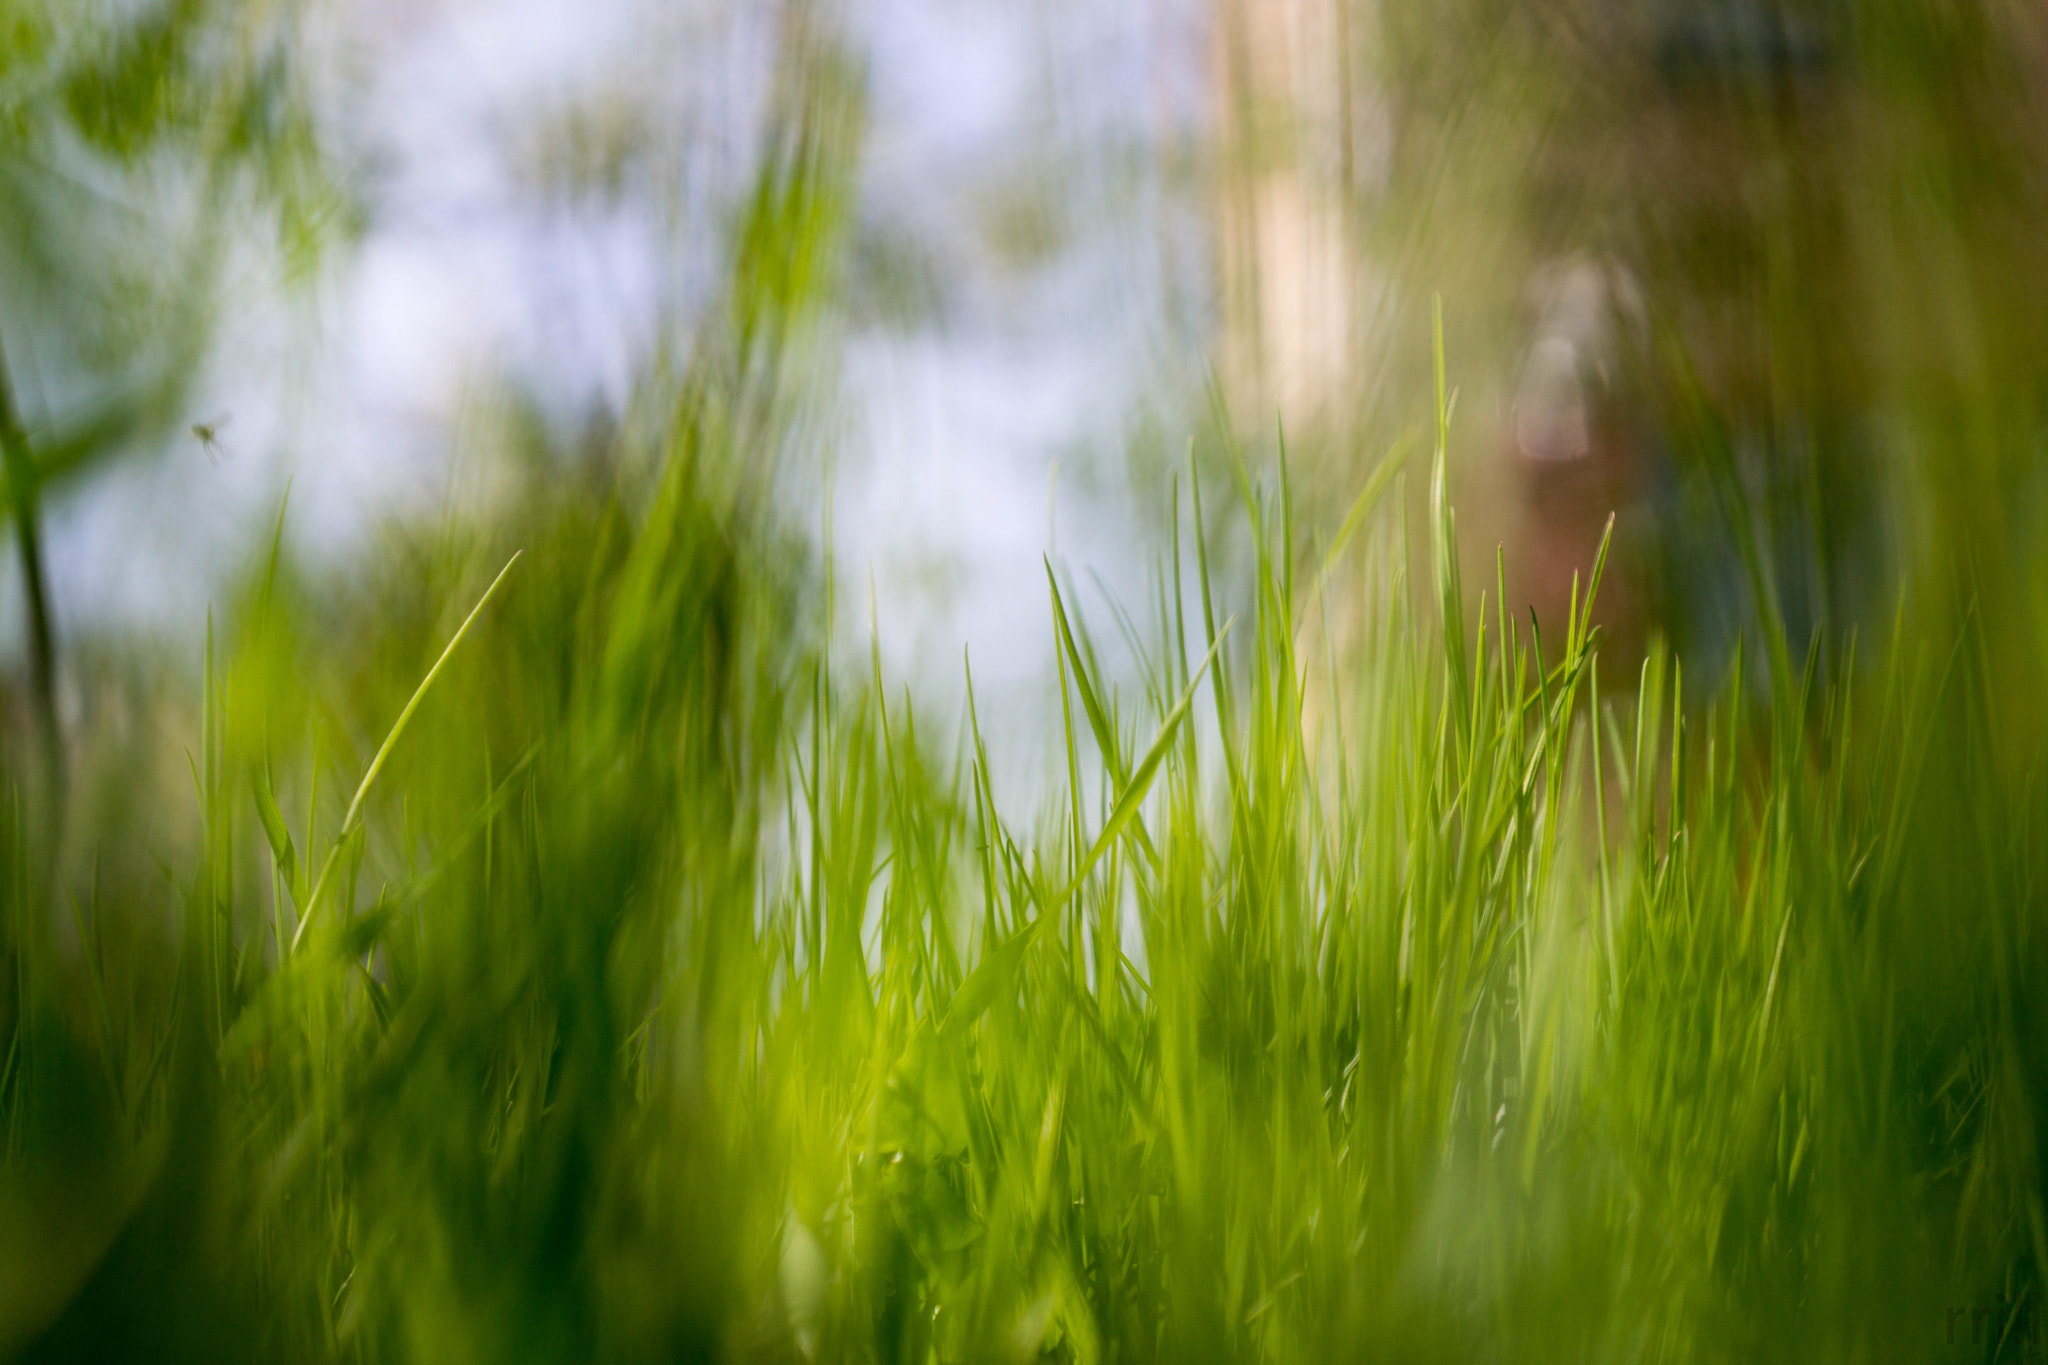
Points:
x=608, y=972
x=641, y=986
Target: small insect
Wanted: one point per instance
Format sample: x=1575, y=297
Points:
x=208, y=435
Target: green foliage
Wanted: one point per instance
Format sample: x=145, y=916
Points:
x=671, y=996
x=578, y=961
x=132, y=137
x=129, y=135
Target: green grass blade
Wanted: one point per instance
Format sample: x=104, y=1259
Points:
x=355, y=806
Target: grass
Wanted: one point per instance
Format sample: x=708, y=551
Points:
x=589, y=962
x=671, y=994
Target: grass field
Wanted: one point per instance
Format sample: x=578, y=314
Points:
x=587, y=965
x=549, y=945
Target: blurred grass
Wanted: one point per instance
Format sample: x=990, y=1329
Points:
x=670, y=994
x=675, y=997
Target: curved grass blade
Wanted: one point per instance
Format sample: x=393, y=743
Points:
x=355, y=806
x=999, y=968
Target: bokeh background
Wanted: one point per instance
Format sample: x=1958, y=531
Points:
x=709, y=973
x=1082, y=235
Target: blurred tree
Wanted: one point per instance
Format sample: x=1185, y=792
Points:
x=135, y=141
x=133, y=138
x=1771, y=264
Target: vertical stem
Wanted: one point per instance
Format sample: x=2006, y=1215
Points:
x=22, y=492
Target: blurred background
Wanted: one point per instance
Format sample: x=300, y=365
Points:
x=771, y=331
x=1689, y=255
x=501, y=218
x=1080, y=232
